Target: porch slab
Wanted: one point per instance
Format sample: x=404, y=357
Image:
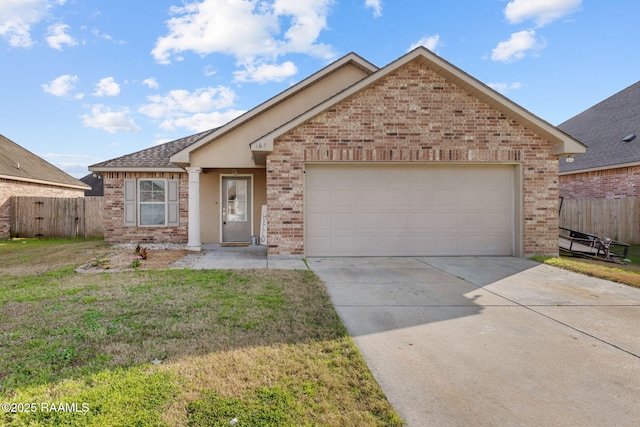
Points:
x=216, y=257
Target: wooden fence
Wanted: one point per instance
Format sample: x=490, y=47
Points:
x=618, y=219
x=56, y=217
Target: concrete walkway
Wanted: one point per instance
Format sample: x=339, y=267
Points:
x=492, y=341
x=232, y=258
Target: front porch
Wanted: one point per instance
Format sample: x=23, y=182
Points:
x=219, y=257
x=225, y=206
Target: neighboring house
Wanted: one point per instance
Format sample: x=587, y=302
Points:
x=93, y=180
x=415, y=158
x=610, y=169
x=22, y=173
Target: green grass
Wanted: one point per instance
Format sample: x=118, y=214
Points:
x=262, y=346
x=628, y=274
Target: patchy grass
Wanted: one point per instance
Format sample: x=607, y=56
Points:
x=35, y=256
x=262, y=346
x=628, y=274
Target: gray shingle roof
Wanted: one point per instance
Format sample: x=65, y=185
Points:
x=21, y=164
x=602, y=128
x=151, y=158
x=96, y=183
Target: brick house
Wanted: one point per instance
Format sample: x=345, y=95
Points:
x=415, y=158
x=610, y=169
x=22, y=173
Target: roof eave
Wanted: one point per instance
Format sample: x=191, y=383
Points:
x=134, y=169
x=52, y=183
x=563, y=144
x=600, y=168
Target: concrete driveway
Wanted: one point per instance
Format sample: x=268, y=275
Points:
x=492, y=341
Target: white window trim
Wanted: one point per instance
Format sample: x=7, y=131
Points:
x=140, y=203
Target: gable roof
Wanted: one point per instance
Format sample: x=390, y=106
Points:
x=182, y=157
x=152, y=159
x=602, y=128
x=20, y=164
x=562, y=142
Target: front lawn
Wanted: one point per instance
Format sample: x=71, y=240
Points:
x=174, y=347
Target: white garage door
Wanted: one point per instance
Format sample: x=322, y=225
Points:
x=405, y=210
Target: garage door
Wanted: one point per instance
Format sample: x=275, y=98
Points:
x=407, y=210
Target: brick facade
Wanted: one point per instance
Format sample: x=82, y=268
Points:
x=411, y=115
x=617, y=183
x=114, y=229
x=9, y=188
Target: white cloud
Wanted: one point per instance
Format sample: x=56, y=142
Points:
x=61, y=86
x=151, y=83
x=266, y=73
x=430, y=42
x=57, y=36
x=18, y=16
x=256, y=33
x=504, y=88
x=107, y=87
x=202, y=121
x=516, y=47
x=198, y=110
x=376, y=5
x=542, y=12
x=210, y=70
x=74, y=164
x=109, y=120
x=183, y=101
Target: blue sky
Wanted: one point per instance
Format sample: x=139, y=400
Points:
x=86, y=81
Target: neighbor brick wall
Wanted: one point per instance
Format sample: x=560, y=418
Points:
x=114, y=229
x=10, y=188
x=617, y=183
x=412, y=115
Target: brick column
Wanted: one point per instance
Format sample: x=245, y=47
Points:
x=194, y=243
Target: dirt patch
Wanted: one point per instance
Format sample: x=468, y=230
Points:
x=125, y=259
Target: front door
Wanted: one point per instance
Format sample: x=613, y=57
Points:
x=236, y=209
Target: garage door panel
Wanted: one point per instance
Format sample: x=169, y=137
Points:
x=409, y=210
x=319, y=244
x=369, y=199
x=344, y=200
x=319, y=224
x=344, y=223
x=488, y=244
x=321, y=201
x=370, y=222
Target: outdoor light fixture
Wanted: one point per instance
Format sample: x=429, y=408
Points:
x=569, y=158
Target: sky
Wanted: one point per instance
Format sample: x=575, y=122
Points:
x=85, y=81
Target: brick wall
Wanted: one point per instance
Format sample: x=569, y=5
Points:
x=606, y=184
x=114, y=229
x=412, y=115
x=10, y=188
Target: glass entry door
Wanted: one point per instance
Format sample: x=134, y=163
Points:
x=236, y=209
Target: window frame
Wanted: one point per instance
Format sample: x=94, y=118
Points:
x=140, y=202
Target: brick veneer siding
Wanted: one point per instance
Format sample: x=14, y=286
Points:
x=114, y=229
x=411, y=115
x=617, y=183
x=10, y=188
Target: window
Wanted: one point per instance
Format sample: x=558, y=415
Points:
x=152, y=196
x=151, y=202
x=237, y=199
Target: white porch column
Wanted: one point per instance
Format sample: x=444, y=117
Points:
x=194, y=243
